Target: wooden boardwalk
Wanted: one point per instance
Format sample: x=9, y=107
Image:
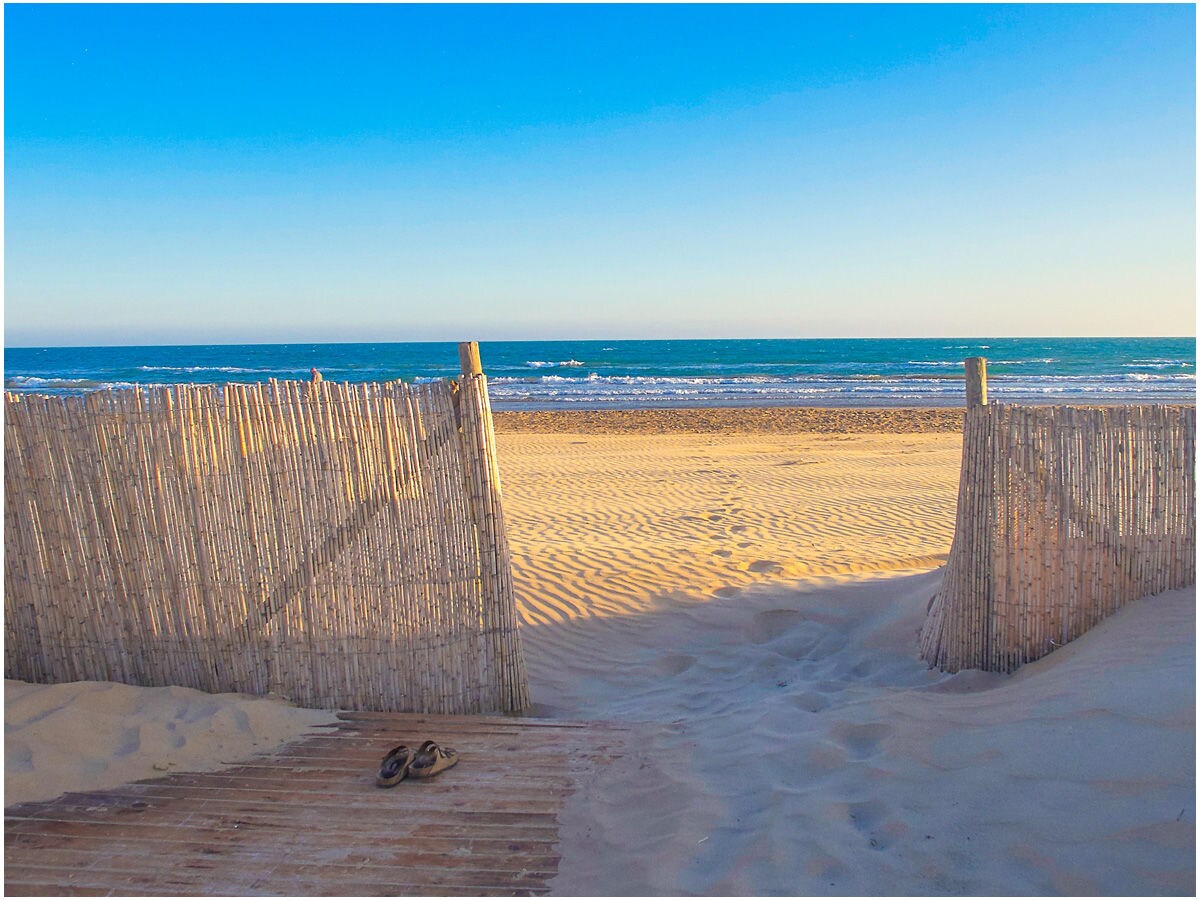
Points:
x=309, y=820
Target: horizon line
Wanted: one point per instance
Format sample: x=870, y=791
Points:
x=955, y=337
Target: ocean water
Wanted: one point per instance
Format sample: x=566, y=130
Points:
x=630, y=374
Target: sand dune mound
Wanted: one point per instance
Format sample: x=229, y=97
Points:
x=89, y=735
x=810, y=751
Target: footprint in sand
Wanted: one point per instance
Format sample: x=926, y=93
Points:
x=715, y=518
x=864, y=815
x=744, y=544
x=738, y=529
x=158, y=735
x=810, y=701
x=805, y=640
x=862, y=669
x=826, y=758
x=725, y=554
x=867, y=817
x=811, y=641
x=771, y=623
x=18, y=757
x=861, y=740
x=129, y=742
x=726, y=592
x=675, y=663
x=765, y=567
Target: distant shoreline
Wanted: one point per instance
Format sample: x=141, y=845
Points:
x=733, y=420
x=594, y=375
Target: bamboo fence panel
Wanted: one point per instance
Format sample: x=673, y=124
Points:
x=341, y=545
x=1064, y=515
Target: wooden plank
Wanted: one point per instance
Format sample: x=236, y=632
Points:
x=46, y=889
x=83, y=852
x=535, y=825
x=474, y=722
x=487, y=826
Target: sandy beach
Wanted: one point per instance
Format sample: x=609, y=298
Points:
x=606, y=522
x=758, y=595
x=641, y=450
x=90, y=735
x=734, y=420
x=747, y=596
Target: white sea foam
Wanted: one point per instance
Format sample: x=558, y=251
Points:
x=37, y=384
x=768, y=372
x=228, y=370
x=747, y=389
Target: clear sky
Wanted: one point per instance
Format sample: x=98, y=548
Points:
x=212, y=174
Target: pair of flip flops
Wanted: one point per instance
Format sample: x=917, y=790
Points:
x=424, y=762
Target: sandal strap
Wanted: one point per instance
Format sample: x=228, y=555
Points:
x=431, y=748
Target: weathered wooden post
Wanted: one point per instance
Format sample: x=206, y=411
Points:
x=468, y=358
x=976, y=367
x=506, y=662
x=958, y=628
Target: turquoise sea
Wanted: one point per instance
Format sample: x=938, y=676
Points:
x=656, y=373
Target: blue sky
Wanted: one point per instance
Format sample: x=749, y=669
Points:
x=208, y=174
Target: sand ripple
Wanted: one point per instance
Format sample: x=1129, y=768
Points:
x=739, y=599
x=609, y=524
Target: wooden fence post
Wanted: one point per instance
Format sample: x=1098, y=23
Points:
x=157, y=536
x=507, y=664
x=468, y=358
x=976, y=367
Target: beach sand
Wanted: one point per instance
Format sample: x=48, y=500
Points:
x=610, y=524
x=752, y=595
x=734, y=420
x=746, y=597
x=89, y=735
x=802, y=749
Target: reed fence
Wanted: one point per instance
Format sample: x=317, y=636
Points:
x=1064, y=515
x=341, y=545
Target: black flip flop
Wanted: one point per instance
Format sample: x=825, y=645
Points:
x=431, y=759
x=395, y=766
